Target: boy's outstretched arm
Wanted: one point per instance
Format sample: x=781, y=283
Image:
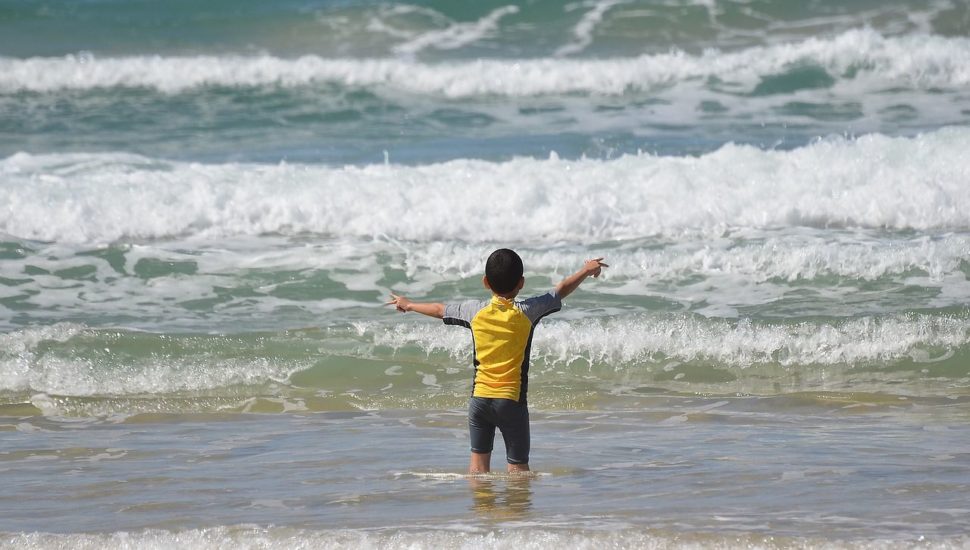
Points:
x=431, y=309
x=592, y=267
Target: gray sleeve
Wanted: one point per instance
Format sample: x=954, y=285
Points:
x=461, y=313
x=537, y=307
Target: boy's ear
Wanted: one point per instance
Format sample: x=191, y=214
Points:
x=485, y=282
x=521, y=284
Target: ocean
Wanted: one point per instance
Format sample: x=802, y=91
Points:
x=204, y=207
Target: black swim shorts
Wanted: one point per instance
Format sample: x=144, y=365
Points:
x=510, y=417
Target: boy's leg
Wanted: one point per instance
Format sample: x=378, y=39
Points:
x=481, y=431
x=514, y=424
x=480, y=463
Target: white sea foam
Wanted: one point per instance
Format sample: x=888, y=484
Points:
x=23, y=342
x=624, y=343
x=921, y=61
x=628, y=341
x=456, y=35
x=789, y=257
x=724, y=275
x=25, y=366
x=82, y=377
x=186, y=274
x=720, y=276
x=583, y=31
x=525, y=537
x=872, y=182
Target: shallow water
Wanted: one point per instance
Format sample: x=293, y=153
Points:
x=776, y=467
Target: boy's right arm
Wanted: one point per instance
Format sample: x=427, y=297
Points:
x=404, y=305
x=592, y=267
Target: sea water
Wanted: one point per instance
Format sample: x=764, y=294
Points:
x=204, y=207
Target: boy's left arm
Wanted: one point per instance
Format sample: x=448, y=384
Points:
x=404, y=305
x=591, y=268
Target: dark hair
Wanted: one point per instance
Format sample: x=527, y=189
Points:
x=503, y=270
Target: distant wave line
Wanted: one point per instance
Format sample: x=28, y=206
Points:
x=920, y=61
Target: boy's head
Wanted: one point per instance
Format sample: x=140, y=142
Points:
x=503, y=272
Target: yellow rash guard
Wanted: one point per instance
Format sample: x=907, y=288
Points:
x=502, y=339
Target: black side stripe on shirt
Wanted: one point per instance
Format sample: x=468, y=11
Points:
x=527, y=360
x=463, y=323
x=456, y=321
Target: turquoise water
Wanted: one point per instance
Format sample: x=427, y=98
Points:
x=202, y=210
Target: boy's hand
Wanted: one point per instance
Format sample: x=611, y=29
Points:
x=594, y=267
x=431, y=309
x=400, y=302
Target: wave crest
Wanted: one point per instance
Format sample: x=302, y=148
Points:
x=872, y=182
x=920, y=61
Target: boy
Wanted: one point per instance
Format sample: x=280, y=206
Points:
x=502, y=337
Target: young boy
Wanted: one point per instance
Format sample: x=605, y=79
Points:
x=502, y=338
